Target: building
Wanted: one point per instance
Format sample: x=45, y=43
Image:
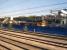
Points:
x=64, y=17
x=61, y=15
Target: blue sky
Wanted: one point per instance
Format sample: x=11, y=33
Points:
x=22, y=7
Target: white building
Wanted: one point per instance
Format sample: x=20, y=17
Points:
x=64, y=17
x=61, y=15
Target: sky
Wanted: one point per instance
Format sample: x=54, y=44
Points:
x=29, y=7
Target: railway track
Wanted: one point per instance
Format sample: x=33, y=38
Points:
x=4, y=47
x=10, y=46
x=19, y=44
x=32, y=36
x=64, y=45
x=62, y=37
x=44, y=35
x=11, y=38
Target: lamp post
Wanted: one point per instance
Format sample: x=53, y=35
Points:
x=1, y=25
x=34, y=24
x=25, y=27
x=10, y=23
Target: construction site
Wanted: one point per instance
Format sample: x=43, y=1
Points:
x=26, y=25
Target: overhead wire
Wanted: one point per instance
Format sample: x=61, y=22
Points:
x=43, y=6
x=12, y=5
x=39, y=7
x=40, y=11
